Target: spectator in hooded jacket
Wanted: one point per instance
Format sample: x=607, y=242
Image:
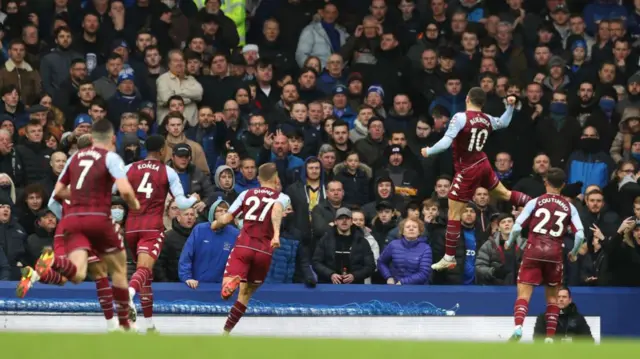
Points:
x=494, y=264
x=384, y=190
x=407, y=261
x=166, y=268
x=125, y=100
x=355, y=178
x=247, y=177
x=405, y=178
x=225, y=181
x=204, y=255
x=590, y=164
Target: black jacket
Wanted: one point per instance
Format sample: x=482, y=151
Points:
x=11, y=164
x=36, y=242
x=35, y=158
x=361, y=263
x=166, y=269
x=571, y=325
x=357, y=187
x=12, y=242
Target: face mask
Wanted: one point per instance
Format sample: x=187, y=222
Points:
x=117, y=214
x=558, y=108
x=607, y=105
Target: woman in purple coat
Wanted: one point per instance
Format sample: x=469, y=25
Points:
x=407, y=260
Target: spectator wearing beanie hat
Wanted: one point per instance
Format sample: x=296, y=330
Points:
x=557, y=79
x=125, y=99
x=375, y=99
x=579, y=68
x=633, y=94
x=405, y=179
x=341, y=108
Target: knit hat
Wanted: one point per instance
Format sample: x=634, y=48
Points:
x=578, y=43
x=635, y=78
x=115, y=44
x=339, y=90
x=629, y=113
x=82, y=118
x=250, y=47
x=556, y=61
x=125, y=75
x=377, y=89
x=354, y=76
x=635, y=138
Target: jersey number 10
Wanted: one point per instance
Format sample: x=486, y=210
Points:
x=478, y=139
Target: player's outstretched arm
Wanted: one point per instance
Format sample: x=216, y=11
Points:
x=457, y=123
x=277, y=212
x=504, y=120
x=576, y=223
x=234, y=210
x=178, y=192
x=517, y=226
x=61, y=191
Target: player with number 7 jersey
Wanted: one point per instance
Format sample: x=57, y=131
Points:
x=151, y=180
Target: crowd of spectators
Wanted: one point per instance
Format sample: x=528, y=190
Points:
x=341, y=97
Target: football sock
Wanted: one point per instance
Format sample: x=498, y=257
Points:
x=520, y=311
x=121, y=296
x=146, y=299
x=52, y=277
x=451, y=238
x=65, y=267
x=552, y=319
x=235, y=314
x=139, y=278
x=105, y=297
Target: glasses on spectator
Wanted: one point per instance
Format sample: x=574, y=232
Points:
x=256, y=124
x=629, y=171
x=230, y=109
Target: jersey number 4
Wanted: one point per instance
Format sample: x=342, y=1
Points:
x=478, y=139
x=254, y=203
x=559, y=218
x=145, y=186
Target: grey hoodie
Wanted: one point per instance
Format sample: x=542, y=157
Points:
x=216, y=177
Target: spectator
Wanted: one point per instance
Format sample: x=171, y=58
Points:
x=32, y=202
x=20, y=73
x=343, y=255
x=571, y=324
x=34, y=153
x=590, y=164
x=12, y=238
x=166, y=269
x=597, y=213
x=124, y=100
x=177, y=82
x=224, y=180
x=10, y=161
x=210, y=132
x=42, y=236
x=170, y=213
x=360, y=125
x=174, y=124
x=629, y=127
x=57, y=163
x=384, y=222
x=397, y=264
x=623, y=253
x=334, y=75
x=306, y=194
x=533, y=186
x=248, y=177
x=5, y=269
x=192, y=178
x=355, y=178
x=358, y=219
x=321, y=38
x=106, y=85
x=56, y=64
x=12, y=108
x=494, y=264
x=204, y=256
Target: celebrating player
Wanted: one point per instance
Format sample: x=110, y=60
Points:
x=249, y=261
x=97, y=269
x=86, y=181
x=468, y=131
x=551, y=217
x=152, y=180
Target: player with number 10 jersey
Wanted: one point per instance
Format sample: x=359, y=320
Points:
x=151, y=180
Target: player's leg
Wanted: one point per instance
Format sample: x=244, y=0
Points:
x=520, y=309
x=240, y=306
x=517, y=199
x=236, y=270
x=73, y=266
x=552, y=313
x=141, y=283
x=100, y=274
x=451, y=237
x=117, y=265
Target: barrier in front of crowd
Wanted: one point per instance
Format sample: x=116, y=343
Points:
x=406, y=312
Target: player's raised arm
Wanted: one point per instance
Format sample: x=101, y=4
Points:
x=517, y=226
x=177, y=191
x=234, y=210
x=116, y=169
x=578, y=230
x=503, y=121
x=55, y=207
x=456, y=124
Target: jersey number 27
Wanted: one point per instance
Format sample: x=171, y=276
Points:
x=254, y=203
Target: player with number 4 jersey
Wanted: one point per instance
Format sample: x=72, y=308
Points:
x=468, y=132
x=152, y=181
x=550, y=217
x=250, y=258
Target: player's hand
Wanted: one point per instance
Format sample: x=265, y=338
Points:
x=507, y=245
x=214, y=225
x=275, y=242
x=348, y=278
x=511, y=100
x=597, y=233
x=136, y=205
x=423, y=152
x=192, y=283
x=572, y=257
x=391, y=281
x=336, y=278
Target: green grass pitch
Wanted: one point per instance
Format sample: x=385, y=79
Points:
x=133, y=346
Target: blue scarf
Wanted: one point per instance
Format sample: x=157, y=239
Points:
x=504, y=176
x=333, y=34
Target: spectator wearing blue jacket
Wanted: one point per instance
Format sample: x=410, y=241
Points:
x=204, y=256
x=407, y=260
x=125, y=99
x=453, y=98
x=341, y=108
x=247, y=178
x=210, y=132
x=590, y=164
x=129, y=125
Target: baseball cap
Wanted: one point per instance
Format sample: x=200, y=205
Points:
x=43, y=212
x=384, y=204
x=182, y=150
x=560, y=8
x=155, y=143
x=117, y=44
x=343, y=212
x=37, y=109
x=81, y=119
x=339, y=90
x=125, y=75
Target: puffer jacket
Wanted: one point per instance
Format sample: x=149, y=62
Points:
x=314, y=41
x=492, y=256
x=621, y=145
x=283, y=262
x=166, y=269
x=357, y=187
x=408, y=262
